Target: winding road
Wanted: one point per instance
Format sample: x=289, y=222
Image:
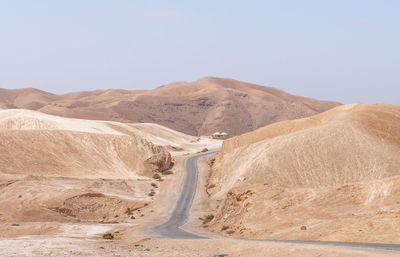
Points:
x=180, y=214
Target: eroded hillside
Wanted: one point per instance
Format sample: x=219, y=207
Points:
x=333, y=176
x=43, y=145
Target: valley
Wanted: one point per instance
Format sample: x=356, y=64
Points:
x=122, y=196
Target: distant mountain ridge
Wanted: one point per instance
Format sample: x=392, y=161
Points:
x=196, y=108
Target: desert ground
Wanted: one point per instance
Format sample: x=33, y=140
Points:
x=65, y=177
x=66, y=182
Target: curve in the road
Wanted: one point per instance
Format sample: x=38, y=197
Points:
x=180, y=214
x=376, y=246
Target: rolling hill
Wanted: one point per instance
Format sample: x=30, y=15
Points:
x=196, y=108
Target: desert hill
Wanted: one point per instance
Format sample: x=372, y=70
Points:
x=56, y=169
x=196, y=108
x=27, y=98
x=335, y=174
x=40, y=144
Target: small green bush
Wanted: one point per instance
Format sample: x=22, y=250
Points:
x=210, y=217
x=167, y=172
x=108, y=236
x=156, y=176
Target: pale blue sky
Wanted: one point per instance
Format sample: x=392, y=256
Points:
x=343, y=50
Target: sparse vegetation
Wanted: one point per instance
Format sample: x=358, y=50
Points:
x=154, y=185
x=230, y=232
x=168, y=172
x=224, y=228
x=108, y=222
x=212, y=161
x=204, y=150
x=152, y=193
x=207, y=218
x=128, y=211
x=108, y=236
x=156, y=176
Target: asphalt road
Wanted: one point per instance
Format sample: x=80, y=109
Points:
x=180, y=214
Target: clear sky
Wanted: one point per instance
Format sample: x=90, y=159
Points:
x=343, y=50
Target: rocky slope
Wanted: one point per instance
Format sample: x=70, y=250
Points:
x=332, y=176
x=196, y=108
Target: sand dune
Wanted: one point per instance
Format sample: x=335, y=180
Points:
x=335, y=173
x=196, y=108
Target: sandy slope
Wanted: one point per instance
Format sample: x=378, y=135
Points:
x=55, y=169
x=176, y=142
x=196, y=108
x=335, y=173
x=57, y=146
